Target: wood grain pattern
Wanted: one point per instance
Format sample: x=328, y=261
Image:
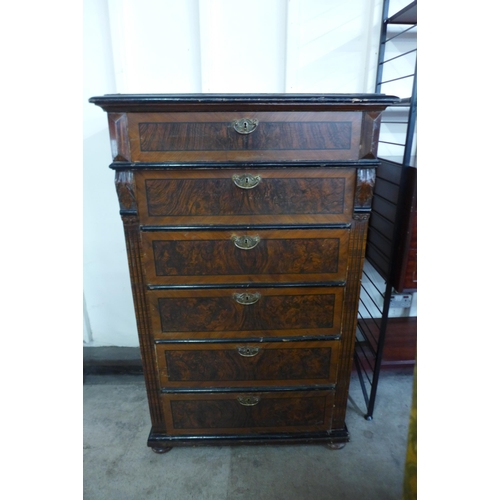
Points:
x=195, y=197
x=211, y=196
x=224, y=313
x=222, y=413
x=216, y=136
x=214, y=313
x=197, y=257
x=183, y=137
x=272, y=363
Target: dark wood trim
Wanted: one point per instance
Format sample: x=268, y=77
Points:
x=247, y=285
x=237, y=390
x=305, y=338
x=236, y=102
x=233, y=227
x=159, y=440
x=122, y=165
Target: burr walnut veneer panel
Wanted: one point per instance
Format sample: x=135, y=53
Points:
x=209, y=196
x=247, y=364
x=240, y=412
x=184, y=137
x=177, y=257
x=246, y=313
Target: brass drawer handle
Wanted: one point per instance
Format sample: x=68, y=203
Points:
x=246, y=181
x=245, y=242
x=248, y=400
x=245, y=125
x=248, y=352
x=246, y=299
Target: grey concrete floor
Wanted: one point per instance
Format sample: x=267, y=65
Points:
x=119, y=466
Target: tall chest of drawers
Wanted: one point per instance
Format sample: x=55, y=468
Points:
x=245, y=220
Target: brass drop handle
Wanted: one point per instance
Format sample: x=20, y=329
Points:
x=245, y=242
x=248, y=352
x=245, y=125
x=246, y=299
x=246, y=181
x=248, y=400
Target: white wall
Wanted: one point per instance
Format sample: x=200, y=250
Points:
x=163, y=46
x=108, y=315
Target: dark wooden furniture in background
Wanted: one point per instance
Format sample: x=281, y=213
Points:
x=245, y=220
x=392, y=250
x=383, y=341
x=405, y=279
x=394, y=223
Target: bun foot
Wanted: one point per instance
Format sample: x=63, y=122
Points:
x=162, y=450
x=335, y=446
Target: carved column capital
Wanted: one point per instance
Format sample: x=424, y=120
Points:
x=365, y=182
x=125, y=188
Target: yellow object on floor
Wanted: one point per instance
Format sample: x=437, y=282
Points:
x=410, y=478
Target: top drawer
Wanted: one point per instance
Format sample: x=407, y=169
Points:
x=244, y=136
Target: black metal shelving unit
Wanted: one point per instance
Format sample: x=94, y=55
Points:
x=390, y=191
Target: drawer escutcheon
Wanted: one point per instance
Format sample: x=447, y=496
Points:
x=246, y=181
x=248, y=352
x=245, y=125
x=245, y=242
x=246, y=299
x=248, y=400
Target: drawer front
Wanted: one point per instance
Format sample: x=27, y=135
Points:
x=246, y=313
x=247, y=364
x=252, y=136
x=262, y=256
x=250, y=196
x=239, y=413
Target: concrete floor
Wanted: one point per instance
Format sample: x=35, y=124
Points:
x=119, y=466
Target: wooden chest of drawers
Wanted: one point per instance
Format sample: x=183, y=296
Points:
x=245, y=219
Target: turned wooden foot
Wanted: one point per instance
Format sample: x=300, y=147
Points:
x=335, y=446
x=162, y=450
